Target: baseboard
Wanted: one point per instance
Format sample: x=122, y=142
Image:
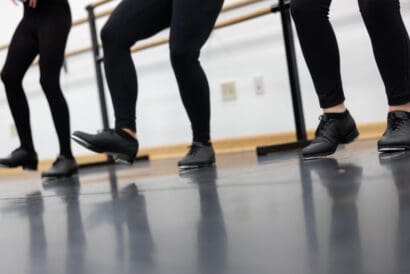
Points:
x=228, y=145
x=248, y=143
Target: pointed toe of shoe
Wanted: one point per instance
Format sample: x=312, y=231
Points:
x=316, y=150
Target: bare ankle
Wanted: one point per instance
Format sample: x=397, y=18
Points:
x=132, y=133
x=336, y=109
x=404, y=107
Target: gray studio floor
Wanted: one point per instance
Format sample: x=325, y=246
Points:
x=348, y=214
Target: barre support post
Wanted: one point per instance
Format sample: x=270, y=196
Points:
x=301, y=135
x=98, y=71
x=97, y=64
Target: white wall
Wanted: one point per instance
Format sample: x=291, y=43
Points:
x=237, y=53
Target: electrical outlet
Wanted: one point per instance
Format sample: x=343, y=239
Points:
x=228, y=91
x=259, y=84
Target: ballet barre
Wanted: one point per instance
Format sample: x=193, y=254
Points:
x=227, y=7
x=105, y=13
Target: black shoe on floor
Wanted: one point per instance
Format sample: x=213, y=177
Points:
x=397, y=135
x=331, y=133
x=62, y=168
x=199, y=155
x=116, y=143
x=21, y=157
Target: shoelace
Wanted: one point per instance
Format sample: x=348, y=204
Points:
x=323, y=125
x=16, y=150
x=19, y=149
x=59, y=159
x=193, y=149
x=395, y=123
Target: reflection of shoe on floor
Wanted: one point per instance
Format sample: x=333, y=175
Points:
x=130, y=192
x=342, y=181
x=397, y=135
x=62, y=168
x=398, y=163
x=322, y=165
x=347, y=185
x=21, y=157
x=199, y=155
x=334, y=130
x=400, y=157
x=203, y=176
x=62, y=185
x=34, y=204
x=31, y=205
x=116, y=143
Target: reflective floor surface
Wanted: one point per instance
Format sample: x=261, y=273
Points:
x=277, y=214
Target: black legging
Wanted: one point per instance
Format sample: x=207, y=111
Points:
x=191, y=23
x=389, y=39
x=43, y=31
